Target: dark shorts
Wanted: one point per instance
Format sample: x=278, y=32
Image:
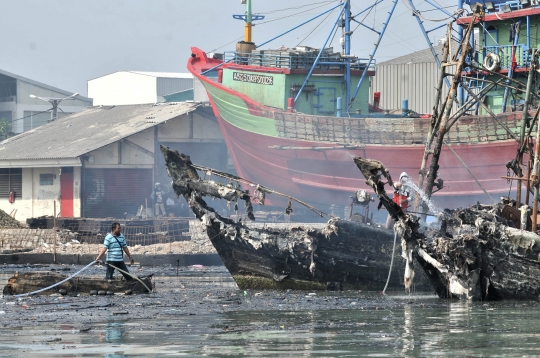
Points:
x=119, y=264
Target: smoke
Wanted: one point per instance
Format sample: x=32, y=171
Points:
x=409, y=184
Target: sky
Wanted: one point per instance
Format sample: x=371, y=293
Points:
x=65, y=43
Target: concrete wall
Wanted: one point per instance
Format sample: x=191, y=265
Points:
x=37, y=200
x=123, y=88
x=127, y=153
x=194, y=126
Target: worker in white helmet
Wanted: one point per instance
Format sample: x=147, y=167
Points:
x=158, y=196
x=401, y=197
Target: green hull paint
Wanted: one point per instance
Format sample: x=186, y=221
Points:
x=272, y=95
x=318, y=100
x=234, y=110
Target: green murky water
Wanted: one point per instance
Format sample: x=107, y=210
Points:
x=439, y=328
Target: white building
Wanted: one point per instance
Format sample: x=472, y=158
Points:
x=27, y=113
x=135, y=87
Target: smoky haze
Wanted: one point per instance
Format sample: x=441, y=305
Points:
x=65, y=43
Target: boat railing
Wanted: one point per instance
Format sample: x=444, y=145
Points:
x=522, y=53
x=513, y=5
x=296, y=60
x=396, y=131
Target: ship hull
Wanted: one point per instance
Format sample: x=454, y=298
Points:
x=337, y=255
x=324, y=175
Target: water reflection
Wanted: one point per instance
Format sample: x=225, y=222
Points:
x=407, y=337
x=114, y=332
x=426, y=327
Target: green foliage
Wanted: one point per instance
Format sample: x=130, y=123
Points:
x=5, y=129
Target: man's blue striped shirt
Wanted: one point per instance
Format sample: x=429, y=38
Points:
x=114, y=251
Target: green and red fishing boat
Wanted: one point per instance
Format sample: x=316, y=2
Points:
x=294, y=118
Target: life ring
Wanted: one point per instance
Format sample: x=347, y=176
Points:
x=492, y=61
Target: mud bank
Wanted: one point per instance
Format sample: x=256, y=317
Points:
x=195, y=291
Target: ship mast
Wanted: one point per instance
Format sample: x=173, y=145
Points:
x=249, y=19
x=247, y=46
x=346, y=49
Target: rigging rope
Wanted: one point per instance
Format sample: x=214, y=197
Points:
x=391, y=262
x=457, y=13
x=315, y=28
x=253, y=184
x=294, y=8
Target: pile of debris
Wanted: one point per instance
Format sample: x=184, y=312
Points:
x=479, y=254
x=7, y=222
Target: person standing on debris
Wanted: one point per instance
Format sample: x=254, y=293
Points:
x=401, y=197
x=115, y=245
x=158, y=196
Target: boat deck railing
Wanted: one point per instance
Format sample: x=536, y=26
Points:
x=295, y=60
x=396, y=131
x=522, y=53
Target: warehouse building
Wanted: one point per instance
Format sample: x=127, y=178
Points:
x=25, y=112
x=103, y=161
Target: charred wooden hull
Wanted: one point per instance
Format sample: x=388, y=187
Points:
x=32, y=281
x=482, y=259
x=340, y=254
x=475, y=255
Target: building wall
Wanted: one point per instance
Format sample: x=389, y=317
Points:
x=38, y=200
x=26, y=104
x=194, y=126
x=24, y=90
x=416, y=82
x=199, y=92
x=122, y=88
x=197, y=134
x=123, y=154
x=167, y=86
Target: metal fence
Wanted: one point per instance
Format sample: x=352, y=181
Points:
x=90, y=233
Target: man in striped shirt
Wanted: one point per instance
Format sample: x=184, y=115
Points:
x=113, y=245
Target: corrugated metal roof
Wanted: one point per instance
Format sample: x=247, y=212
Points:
x=88, y=130
x=422, y=56
x=152, y=74
x=164, y=74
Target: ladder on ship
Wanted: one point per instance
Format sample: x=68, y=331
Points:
x=476, y=85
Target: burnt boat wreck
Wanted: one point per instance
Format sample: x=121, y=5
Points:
x=27, y=282
x=338, y=255
x=477, y=253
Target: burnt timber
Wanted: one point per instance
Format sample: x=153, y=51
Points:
x=476, y=254
x=32, y=281
x=340, y=255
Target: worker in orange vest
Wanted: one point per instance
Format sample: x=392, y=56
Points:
x=401, y=197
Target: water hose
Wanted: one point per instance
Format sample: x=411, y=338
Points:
x=391, y=262
x=76, y=274
x=127, y=273
x=58, y=283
